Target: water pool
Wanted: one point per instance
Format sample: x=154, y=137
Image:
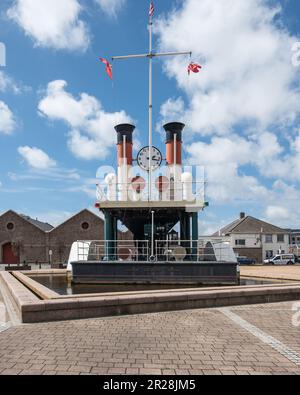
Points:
x=59, y=284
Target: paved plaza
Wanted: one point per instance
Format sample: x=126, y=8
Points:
x=290, y=273
x=258, y=339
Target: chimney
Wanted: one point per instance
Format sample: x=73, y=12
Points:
x=242, y=215
x=125, y=143
x=174, y=136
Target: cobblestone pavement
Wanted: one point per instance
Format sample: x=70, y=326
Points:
x=212, y=341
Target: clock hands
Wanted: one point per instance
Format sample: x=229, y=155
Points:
x=154, y=158
x=144, y=156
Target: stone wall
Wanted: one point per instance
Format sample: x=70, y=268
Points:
x=34, y=244
x=83, y=226
x=29, y=240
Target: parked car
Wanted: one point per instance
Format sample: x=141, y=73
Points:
x=243, y=260
x=281, y=259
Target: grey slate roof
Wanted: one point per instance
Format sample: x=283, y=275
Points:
x=44, y=226
x=250, y=225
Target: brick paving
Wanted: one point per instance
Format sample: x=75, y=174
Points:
x=186, y=342
x=276, y=320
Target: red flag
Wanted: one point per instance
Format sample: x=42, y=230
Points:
x=194, y=68
x=108, y=68
x=151, y=9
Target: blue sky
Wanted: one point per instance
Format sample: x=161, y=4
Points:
x=242, y=112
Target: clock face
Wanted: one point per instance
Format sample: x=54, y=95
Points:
x=144, y=158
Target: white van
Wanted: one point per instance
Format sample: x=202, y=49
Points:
x=282, y=259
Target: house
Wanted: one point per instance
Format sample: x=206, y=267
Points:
x=255, y=239
x=294, y=241
x=294, y=236
x=23, y=239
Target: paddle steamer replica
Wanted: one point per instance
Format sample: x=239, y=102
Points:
x=159, y=203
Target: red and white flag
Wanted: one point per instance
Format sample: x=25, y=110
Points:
x=151, y=9
x=194, y=68
x=108, y=68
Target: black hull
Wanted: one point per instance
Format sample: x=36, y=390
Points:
x=189, y=273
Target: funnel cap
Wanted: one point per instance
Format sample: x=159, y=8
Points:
x=174, y=128
x=124, y=129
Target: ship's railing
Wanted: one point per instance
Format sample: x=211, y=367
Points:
x=176, y=250
x=162, y=251
x=111, y=250
x=139, y=191
x=192, y=250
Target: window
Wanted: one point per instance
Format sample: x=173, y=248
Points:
x=85, y=226
x=10, y=226
x=240, y=242
x=280, y=238
x=269, y=238
x=269, y=254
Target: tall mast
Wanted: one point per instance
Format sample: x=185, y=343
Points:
x=150, y=107
x=150, y=56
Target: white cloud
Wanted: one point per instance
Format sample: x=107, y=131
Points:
x=275, y=160
x=111, y=7
x=51, y=174
x=247, y=76
x=278, y=213
x=52, y=23
x=283, y=216
x=244, y=103
x=36, y=158
x=86, y=148
x=282, y=206
x=170, y=110
x=7, y=119
x=222, y=158
x=91, y=128
x=8, y=84
x=227, y=160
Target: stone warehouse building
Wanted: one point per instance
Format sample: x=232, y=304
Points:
x=23, y=239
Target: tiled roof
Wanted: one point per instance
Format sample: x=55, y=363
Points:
x=250, y=225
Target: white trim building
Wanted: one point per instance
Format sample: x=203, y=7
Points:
x=255, y=239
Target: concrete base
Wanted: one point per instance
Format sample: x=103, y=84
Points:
x=163, y=273
x=32, y=308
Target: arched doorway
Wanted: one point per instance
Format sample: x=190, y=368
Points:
x=8, y=256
